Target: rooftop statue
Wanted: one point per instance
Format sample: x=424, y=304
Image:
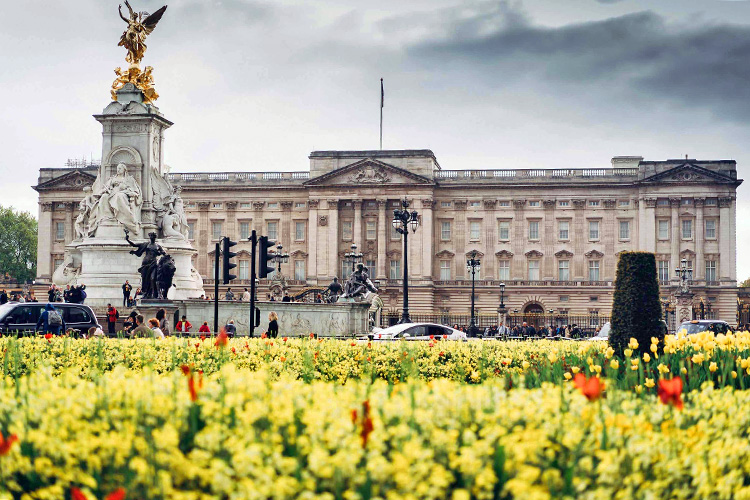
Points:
x=140, y=25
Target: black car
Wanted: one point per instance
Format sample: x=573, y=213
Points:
x=16, y=317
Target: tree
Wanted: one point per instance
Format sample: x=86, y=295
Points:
x=18, y=232
x=636, y=310
x=745, y=284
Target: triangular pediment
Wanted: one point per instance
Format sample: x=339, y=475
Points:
x=368, y=172
x=689, y=173
x=75, y=179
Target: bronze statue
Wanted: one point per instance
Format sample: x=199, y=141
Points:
x=140, y=25
x=359, y=283
x=150, y=250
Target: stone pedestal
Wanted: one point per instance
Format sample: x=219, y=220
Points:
x=684, y=308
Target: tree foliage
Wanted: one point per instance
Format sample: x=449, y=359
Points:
x=18, y=238
x=636, y=310
x=745, y=284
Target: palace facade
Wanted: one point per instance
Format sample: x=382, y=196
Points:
x=551, y=235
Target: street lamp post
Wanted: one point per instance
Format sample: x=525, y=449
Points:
x=501, y=310
x=402, y=221
x=280, y=257
x=684, y=273
x=473, y=265
x=353, y=257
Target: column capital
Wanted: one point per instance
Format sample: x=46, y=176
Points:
x=549, y=204
x=232, y=205
x=333, y=204
x=725, y=202
x=428, y=203
x=203, y=205
x=47, y=206
x=650, y=202
x=519, y=204
x=459, y=204
x=699, y=202
x=490, y=204
x=286, y=205
x=382, y=203
x=258, y=205
x=69, y=205
x=313, y=204
x=579, y=204
x=674, y=201
x=610, y=204
x=357, y=204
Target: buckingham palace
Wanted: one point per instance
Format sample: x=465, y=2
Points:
x=552, y=236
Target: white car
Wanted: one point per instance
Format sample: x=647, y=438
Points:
x=603, y=333
x=418, y=331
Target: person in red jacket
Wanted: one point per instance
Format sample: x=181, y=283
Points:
x=112, y=316
x=204, y=328
x=184, y=326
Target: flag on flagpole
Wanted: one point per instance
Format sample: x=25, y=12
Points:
x=382, y=93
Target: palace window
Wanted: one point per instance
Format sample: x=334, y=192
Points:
x=347, y=230
x=300, y=204
x=624, y=203
x=474, y=204
x=503, y=270
x=395, y=269
x=710, y=270
x=216, y=228
x=445, y=204
x=503, y=230
x=662, y=202
x=370, y=265
x=59, y=262
x=503, y=204
x=624, y=229
x=299, y=230
x=395, y=235
x=370, y=230
x=534, y=203
x=593, y=203
x=244, y=267
x=191, y=230
x=593, y=270
x=445, y=270
x=445, y=230
x=564, y=229
x=663, y=268
x=272, y=230
x=710, y=229
x=474, y=230
x=59, y=230
x=299, y=270
x=687, y=201
x=563, y=203
x=533, y=270
x=244, y=205
x=533, y=230
x=217, y=205
x=687, y=229
x=593, y=230
x=244, y=230
x=711, y=202
x=663, y=229
x=273, y=205
x=563, y=270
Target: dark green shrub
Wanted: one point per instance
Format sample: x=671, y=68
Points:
x=636, y=310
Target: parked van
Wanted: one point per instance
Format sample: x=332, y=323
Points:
x=18, y=317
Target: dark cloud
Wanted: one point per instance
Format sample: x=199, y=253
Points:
x=638, y=55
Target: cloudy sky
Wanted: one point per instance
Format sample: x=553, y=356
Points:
x=258, y=84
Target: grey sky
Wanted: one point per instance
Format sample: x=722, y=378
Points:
x=257, y=85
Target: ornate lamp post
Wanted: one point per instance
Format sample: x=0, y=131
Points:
x=684, y=273
x=353, y=257
x=473, y=266
x=402, y=221
x=501, y=310
x=280, y=257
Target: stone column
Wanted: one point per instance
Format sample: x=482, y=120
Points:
x=647, y=222
x=518, y=242
x=383, y=237
x=610, y=235
x=333, y=238
x=428, y=250
x=357, y=236
x=580, y=239
x=549, y=237
x=69, y=218
x=699, y=266
x=676, y=236
x=44, y=260
x=231, y=230
x=203, y=239
x=459, y=235
x=312, y=240
x=286, y=223
x=727, y=253
x=258, y=222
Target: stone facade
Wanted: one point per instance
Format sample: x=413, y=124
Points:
x=551, y=235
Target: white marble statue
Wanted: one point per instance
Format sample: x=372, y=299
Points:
x=120, y=199
x=82, y=225
x=170, y=208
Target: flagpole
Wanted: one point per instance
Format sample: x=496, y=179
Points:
x=382, y=96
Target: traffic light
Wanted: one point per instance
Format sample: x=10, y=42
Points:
x=225, y=256
x=265, y=258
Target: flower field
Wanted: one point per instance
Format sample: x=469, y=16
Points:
x=192, y=419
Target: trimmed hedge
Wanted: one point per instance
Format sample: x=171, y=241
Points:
x=636, y=310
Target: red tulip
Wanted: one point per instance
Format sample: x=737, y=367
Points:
x=47, y=336
x=185, y=369
x=7, y=443
x=192, y=389
x=221, y=339
x=118, y=494
x=670, y=392
x=367, y=425
x=77, y=494
x=591, y=388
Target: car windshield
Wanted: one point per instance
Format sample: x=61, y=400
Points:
x=691, y=328
x=4, y=309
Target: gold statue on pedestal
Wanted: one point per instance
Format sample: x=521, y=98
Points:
x=140, y=25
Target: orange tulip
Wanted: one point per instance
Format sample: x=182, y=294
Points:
x=118, y=494
x=221, y=339
x=670, y=392
x=592, y=388
x=7, y=443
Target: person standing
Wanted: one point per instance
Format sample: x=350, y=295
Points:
x=204, y=328
x=273, y=324
x=229, y=295
x=183, y=326
x=52, y=321
x=66, y=294
x=161, y=315
x=112, y=315
x=3, y=297
x=230, y=329
x=52, y=293
x=126, y=288
x=246, y=295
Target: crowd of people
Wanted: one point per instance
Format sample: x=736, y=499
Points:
x=17, y=296
x=75, y=294
x=526, y=330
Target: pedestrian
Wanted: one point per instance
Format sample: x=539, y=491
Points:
x=95, y=331
x=161, y=316
x=229, y=295
x=271, y=298
x=52, y=321
x=3, y=297
x=137, y=293
x=51, y=293
x=126, y=288
x=141, y=330
x=204, y=328
x=246, y=295
x=130, y=321
x=230, y=329
x=273, y=324
x=153, y=323
x=81, y=294
x=286, y=298
x=66, y=294
x=183, y=326
x=112, y=315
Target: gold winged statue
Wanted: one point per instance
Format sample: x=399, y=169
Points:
x=140, y=25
